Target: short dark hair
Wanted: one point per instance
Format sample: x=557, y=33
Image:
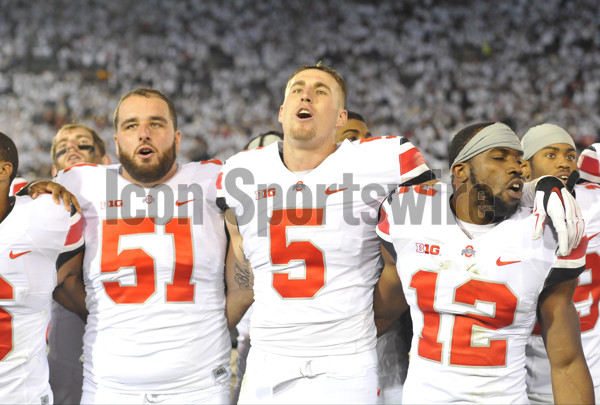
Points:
x=356, y=116
x=99, y=144
x=9, y=153
x=463, y=137
x=330, y=71
x=147, y=92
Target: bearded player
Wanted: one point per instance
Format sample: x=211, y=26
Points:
x=475, y=279
x=153, y=268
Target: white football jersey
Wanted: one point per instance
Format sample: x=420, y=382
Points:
x=154, y=276
x=473, y=300
x=586, y=298
x=36, y=238
x=311, y=243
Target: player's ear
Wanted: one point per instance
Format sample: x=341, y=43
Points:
x=54, y=170
x=526, y=168
x=116, y=144
x=6, y=169
x=105, y=160
x=280, y=119
x=177, y=140
x=342, y=118
x=461, y=171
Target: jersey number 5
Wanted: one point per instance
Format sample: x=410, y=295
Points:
x=181, y=289
x=283, y=253
x=462, y=350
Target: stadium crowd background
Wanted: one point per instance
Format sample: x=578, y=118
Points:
x=419, y=68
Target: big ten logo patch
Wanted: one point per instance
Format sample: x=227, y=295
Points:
x=264, y=193
x=428, y=249
x=110, y=204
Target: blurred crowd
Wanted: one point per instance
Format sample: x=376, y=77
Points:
x=419, y=68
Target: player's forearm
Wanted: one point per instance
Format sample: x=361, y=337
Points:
x=238, y=302
x=71, y=295
x=573, y=384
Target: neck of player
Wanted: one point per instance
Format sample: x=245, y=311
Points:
x=299, y=157
x=467, y=208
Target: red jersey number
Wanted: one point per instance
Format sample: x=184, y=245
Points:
x=181, y=289
x=6, y=329
x=589, y=292
x=462, y=350
x=283, y=253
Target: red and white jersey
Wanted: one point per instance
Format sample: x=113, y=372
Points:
x=154, y=276
x=36, y=238
x=589, y=163
x=311, y=241
x=586, y=298
x=473, y=300
x=17, y=184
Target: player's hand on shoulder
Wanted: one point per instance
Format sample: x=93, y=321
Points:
x=553, y=200
x=58, y=193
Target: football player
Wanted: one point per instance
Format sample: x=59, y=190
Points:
x=549, y=150
x=40, y=253
x=474, y=278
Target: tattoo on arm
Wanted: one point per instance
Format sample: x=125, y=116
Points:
x=242, y=273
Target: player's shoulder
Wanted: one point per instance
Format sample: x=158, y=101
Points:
x=253, y=155
x=87, y=171
x=438, y=190
x=203, y=166
x=377, y=144
x=253, y=158
x=40, y=210
x=420, y=205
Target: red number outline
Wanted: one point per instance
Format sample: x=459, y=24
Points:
x=282, y=253
x=462, y=351
x=7, y=292
x=180, y=289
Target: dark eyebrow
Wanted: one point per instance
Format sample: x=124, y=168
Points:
x=555, y=149
x=353, y=131
x=159, y=118
x=505, y=150
x=298, y=83
x=319, y=84
x=152, y=118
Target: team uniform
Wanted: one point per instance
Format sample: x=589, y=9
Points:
x=36, y=239
x=586, y=297
x=309, y=237
x=17, y=184
x=473, y=299
x=153, y=271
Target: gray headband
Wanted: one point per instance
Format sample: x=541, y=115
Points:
x=540, y=136
x=497, y=135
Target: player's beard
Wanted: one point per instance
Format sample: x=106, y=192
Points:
x=491, y=204
x=146, y=173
